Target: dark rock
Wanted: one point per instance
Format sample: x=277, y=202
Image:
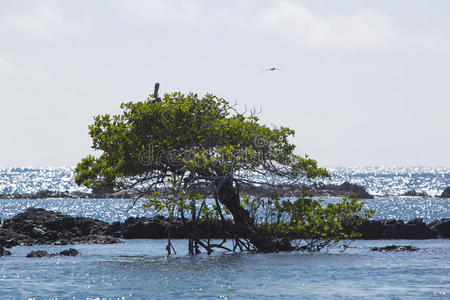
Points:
x=4, y=252
x=395, y=248
x=372, y=230
x=147, y=228
x=416, y=221
x=39, y=226
x=446, y=193
x=413, y=193
x=417, y=231
x=396, y=229
x=284, y=190
x=115, y=229
x=157, y=228
x=38, y=253
x=102, y=190
x=353, y=190
x=442, y=228
x=345, y=189
x=96, y=239
x=89, y=226
x=41, y=253
x=10, y=238
x=69, y=252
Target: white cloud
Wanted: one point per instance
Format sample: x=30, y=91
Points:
x=362, y=29
x=42, y=20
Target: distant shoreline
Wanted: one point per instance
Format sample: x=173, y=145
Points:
x=345, y=189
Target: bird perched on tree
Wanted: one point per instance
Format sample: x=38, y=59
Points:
x=155, y=97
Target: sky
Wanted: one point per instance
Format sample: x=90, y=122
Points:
x=363, y=83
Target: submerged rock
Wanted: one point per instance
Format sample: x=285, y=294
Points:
x=394, y=248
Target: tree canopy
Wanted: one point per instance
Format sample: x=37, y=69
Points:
x=167, y=151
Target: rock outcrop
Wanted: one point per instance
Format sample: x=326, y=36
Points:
x=396, y=229
x=39, y=226
x=441, y=227
x=41, y=253
x=446, y=193
x=394, y=248
x=345, y=189
x=4, y=252
x=413, y=193
x=158, y=227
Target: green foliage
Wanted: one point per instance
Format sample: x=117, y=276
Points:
x=306, y=223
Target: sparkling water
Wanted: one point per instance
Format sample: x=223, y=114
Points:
x=111, y=210
x=140, y=269
x=377, y=180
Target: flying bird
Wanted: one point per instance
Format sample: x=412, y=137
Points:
x=274, y=69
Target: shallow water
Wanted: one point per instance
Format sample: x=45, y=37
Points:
x=139, y=269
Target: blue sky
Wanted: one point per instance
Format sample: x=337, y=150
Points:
x=364, y=83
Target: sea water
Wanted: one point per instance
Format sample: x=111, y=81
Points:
x=111, y=210
x=378, y=181
x=140, y=269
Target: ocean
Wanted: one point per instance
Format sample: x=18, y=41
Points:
x=378, y=181
x=140, y=269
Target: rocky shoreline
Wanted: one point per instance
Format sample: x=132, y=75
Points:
x=37, y=226
x=345, y=189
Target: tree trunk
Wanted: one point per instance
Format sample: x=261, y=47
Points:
x=245, y=227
